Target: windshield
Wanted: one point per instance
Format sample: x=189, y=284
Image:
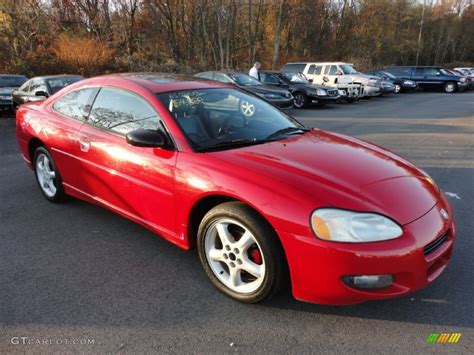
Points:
x=347, y=69
x=244, y=80
x=12, y=81
x=447, y=72
x=216, y=119
x=389, y=75
x=295, y=78
x=57, y=84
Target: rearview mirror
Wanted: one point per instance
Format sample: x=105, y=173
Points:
x=147, y=138
x=41, y=93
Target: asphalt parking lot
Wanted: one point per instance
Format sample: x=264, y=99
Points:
x=78, y=271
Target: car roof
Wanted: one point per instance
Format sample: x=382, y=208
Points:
x=47, y=77
x=162, y=82
x=12, y=75
x=320, y=63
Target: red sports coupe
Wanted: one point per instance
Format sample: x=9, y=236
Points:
x=265, y=200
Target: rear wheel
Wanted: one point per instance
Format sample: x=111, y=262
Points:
x=398, y=88
x=241, y=253
x=449, y=87
x=300, y=100
x=47, y=175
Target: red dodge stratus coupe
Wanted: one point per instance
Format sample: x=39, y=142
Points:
x=265, y=200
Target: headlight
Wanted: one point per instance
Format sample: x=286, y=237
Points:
x=462, y=80
x=321, y=92
x=353, y=227
x=373, y=82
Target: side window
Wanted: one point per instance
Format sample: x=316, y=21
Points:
x=326, y=70
x=75, y=104
x=122, y=112
x=419, y=71
x=25, y=87
x=431, y=71
x=38, y=85
x=269, y=78
x=333, y=70
x=317, y=70
x=222, y=78
x=311, y=69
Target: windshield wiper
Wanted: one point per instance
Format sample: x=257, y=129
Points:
x=287, y=130
x=233, y=143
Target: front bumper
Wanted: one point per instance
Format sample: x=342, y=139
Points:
x=462, y=86
x=324, y=99
x=388, y=89
x=372, y=90
x=317, y=267
x=6, y=103
x=282, y=103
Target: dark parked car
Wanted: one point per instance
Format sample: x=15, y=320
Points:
x=304, y=92
x=401, y=85
x=278, y=96
x=433, y=78
x=8, y=83
x=42, y=87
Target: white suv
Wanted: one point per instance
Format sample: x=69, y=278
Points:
x=342, y=75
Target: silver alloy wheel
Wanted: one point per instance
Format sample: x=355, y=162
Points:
x=450, y=87
x=398, y=88
x=299, y=100
x=45, y=175
x=227, y=246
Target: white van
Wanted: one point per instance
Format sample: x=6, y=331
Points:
x=340, y=74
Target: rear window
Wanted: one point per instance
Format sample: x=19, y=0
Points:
x=298, y=68
x=12, y=81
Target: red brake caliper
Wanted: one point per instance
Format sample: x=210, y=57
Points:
x=256, y=256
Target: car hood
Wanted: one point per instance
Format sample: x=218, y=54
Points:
x=6, y=90
x=342, y=172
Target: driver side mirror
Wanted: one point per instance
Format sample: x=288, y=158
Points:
x=148, y=138
x=41, y=94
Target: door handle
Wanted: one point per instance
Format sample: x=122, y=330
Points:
x=84, y=144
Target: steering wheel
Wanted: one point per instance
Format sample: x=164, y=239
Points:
x=227, y=122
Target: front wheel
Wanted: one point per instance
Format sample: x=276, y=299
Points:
x=241, y=253
x=47, y=176
x=300, y=100
x=398, y=88
x=449, y=87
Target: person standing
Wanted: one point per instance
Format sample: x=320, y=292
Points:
x=254, y=70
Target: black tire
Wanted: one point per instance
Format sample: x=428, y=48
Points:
x=273, y=257
x=300, y=100
x=59, y=194
x=450, y=87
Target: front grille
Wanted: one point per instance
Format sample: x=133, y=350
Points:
x=435, y=244
x=332, y=92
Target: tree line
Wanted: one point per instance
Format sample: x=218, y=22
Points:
x=90, y=37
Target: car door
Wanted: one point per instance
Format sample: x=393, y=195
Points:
x=134, y=181
x=332, y=73
x=433, y=77
x=69, y=112
x=420, y=76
